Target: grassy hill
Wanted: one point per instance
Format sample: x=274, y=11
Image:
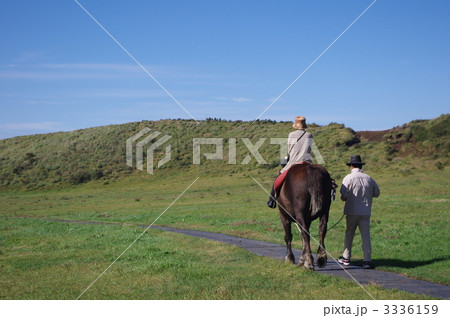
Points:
x=70, y=158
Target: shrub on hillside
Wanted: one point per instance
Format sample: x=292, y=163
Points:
x=80, y=177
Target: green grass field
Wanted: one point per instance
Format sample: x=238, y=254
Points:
x=46, y=260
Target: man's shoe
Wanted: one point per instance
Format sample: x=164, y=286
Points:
x=366, y=265
x=344, y=261
x=272, y=203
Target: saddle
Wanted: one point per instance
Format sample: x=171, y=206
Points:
x=281, y=177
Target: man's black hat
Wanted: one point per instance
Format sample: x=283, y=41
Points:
x=355, y=160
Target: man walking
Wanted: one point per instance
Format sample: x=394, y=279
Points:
x=357, y=191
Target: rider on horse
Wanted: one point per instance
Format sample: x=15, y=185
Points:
x=299, y=150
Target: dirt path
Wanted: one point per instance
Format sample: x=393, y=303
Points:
x=386, y=279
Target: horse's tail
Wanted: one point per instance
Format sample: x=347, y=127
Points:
x=319, y=187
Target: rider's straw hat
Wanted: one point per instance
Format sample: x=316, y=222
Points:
x=300, y=123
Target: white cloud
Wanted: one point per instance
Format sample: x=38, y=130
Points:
x=29, y=56
x=122, y=93
x=234, y=99
x=93, y=66
x=57, y=71
x=240, y=99
x=68, y=71
x=45, y=75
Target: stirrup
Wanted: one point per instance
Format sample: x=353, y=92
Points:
x=272, y=203
x=334, y=184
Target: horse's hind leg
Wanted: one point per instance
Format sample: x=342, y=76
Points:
x=288, y=239
x=306, y=258
x=322, y=253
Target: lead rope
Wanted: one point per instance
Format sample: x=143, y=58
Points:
x=298, y=227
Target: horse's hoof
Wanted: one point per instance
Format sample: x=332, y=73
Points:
x=321, y=262
x=288, y=259
x=308, y=263
x=308, y=266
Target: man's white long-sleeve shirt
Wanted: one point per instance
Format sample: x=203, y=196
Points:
x=357, y=190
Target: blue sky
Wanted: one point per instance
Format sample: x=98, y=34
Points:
x=60, y=71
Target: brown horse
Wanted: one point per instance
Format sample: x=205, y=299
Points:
x=304, y=197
